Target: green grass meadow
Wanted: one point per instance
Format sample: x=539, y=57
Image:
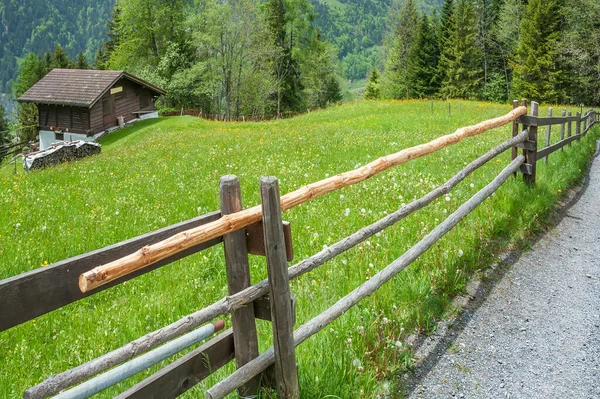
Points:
x=163, y=171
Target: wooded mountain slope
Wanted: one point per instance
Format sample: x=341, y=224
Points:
x=358, y=27
x=39, y=25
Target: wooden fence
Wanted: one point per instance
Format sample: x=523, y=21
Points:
x=259, y=231
x=222, y=117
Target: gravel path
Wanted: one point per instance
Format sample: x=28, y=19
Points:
x=533, y=331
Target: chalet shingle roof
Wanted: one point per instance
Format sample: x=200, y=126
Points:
x=77, y=87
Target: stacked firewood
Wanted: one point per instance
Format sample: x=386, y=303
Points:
x=58, y=153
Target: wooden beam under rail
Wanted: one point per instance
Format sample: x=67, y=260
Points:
x=37, y=292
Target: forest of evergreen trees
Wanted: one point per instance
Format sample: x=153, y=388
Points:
x=544, y=50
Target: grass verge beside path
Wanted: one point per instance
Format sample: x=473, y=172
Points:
x=160, y=172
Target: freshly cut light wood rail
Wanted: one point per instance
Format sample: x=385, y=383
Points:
x=150, y=254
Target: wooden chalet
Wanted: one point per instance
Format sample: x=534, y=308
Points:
x=80, y=104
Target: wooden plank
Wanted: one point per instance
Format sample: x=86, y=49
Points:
x=531, y=155
x=313, y=326
x=526, y=169
x=548, y=131
x=102, y=274
x=185, y=372
x=262, y=308
x=578, y=126
x=286, y=372
x=255, y=239
x=554, y=147
x=238, y=278
x=34, y=293
x=527, y=145
x=532, y=121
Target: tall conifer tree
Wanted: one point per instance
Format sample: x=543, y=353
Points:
x=536, y=71
x=461, y=56
x=423, y=62
x=396, y=68
x=81, y=62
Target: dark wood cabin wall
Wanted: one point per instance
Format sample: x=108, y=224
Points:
x=80, y=119
x=96, y=118
x=63, y=117
x=131, y=100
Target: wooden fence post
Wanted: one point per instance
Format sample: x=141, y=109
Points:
x=548, y=131
x=569, y=127
x=578, y=126
x=286, y=371
x=562, y=127
x=586, y=116
x=245, y=337
x=531, y=154
x=515, y=131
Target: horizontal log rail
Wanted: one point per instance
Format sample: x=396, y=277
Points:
x=151, y=254
x=546, y=121
x=556, y=146
x=256, y=366
x=228, y=304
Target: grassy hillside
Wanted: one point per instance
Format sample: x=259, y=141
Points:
x=163, y=171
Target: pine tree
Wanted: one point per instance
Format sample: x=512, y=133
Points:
x=100, y=61
x=446, y=14
x=81, y=62
x=46, y=62
x=506, y=39
x=31, y=71
x=373, y=89
x=113, y=27
x=536, y=73
x=286, y=71
x=395, y=77
x=423, y=62
x=60, y=59
x=442, y=34
x=461, y=56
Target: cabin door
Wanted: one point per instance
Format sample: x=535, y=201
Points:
x=108, y=110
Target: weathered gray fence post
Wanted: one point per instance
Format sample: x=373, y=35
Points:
x=586, y=117
x=515, y=130
x=578, y=126
x=548, y=131
x=531, y=153
x=245, y=337
x=286, y=372
x=562, y=128
x=569, y=127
